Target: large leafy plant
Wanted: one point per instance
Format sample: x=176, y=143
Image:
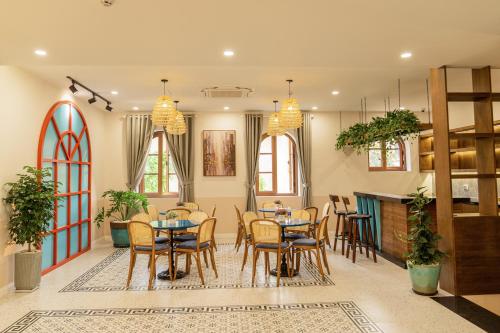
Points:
x=396, y=125
x=123, y=205
x=424, y=250
x=30, y=206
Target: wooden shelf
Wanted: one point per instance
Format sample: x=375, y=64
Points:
x=474, y=176
x=471, y=96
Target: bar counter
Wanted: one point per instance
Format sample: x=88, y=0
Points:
x=390, y=214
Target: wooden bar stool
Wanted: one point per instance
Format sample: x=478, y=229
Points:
x=341, y=219
x=357, y=223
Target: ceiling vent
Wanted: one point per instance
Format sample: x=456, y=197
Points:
x=227, y=92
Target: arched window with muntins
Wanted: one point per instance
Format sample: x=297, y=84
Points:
x=277, y=166
x=64, y=147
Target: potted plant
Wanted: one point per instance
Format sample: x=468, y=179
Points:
x=424, y=259
x=123, y=205
x=30, y=206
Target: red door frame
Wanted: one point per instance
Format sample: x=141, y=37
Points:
x=49, y=118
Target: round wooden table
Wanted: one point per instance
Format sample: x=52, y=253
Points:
x=171, y=227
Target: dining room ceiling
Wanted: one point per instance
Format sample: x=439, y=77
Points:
x=352, y=46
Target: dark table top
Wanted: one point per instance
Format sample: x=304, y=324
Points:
x=293, y=223
x=402, y=199
x=177, y=225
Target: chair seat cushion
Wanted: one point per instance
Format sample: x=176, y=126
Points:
x=294, y=235
x=158, y=247
x=161, y=240
x=185, y=238
x=359, y=216
x=283, y=245
x=192, y=245
x=305, y=242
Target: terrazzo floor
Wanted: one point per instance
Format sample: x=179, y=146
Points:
x=381, y=291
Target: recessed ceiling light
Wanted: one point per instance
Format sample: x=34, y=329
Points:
x=335, y=92
x=114, y=92
x=135, y=108
x=406, y=55
x=40, y=52
x=314, y=107
x=226, y=108
x=228, y=53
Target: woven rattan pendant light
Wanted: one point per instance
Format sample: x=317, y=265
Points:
x=274, y=127
x=163, y=110
x=178, y=125
x=290, y=115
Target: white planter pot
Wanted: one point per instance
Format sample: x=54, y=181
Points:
x=27, y=272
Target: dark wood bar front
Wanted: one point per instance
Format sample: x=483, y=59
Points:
x=390, y=214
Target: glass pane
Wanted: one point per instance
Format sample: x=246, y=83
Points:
x=173, y=184
x=73, y=245
x=153, y=148
x=266, y=163
x=171, y=168
x=393, y=158
x=151, y=164
x=151, y=183
x=265, y=182
x=62, y=245
x=375, y=158
x=391, y=145
x=284, y=167
x=266, y=145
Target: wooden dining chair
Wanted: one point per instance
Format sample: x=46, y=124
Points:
x=189, y=205
x=302, y=231
x=142, y=241
x=153, y=213
x=341, y=221
x=146, y=218
x=247, y=218
x=197, y=247
x=266, y=238
x=239, y=232
x=269, y=204
x=316, y=244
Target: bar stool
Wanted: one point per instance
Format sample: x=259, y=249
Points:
x=341, y=219
x=355, y=224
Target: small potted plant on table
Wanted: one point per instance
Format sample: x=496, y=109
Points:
x=123, y=205
x=30, y=206
x=424, y=259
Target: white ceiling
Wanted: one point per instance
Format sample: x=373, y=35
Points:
x=352, y=46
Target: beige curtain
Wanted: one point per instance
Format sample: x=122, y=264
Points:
x=303, y=139
x=138, y=134
x=181, y=148
x=253, y=135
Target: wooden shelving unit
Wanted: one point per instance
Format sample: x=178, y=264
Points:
x=462, y=148
x=471, y=241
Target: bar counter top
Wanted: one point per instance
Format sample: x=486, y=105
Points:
x=398, y=198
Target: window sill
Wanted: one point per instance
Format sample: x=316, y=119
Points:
x=155, y=195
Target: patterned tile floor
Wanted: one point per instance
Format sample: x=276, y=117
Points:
x=380, y=292
x=339, y=317
x=111, y=274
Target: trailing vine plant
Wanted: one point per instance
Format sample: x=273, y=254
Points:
x=424, y=249
x=396, y=125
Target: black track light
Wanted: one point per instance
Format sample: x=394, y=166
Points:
x=92, y=100
x=109, y=108
x=72, y=87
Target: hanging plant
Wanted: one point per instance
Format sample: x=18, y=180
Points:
x=396, y=125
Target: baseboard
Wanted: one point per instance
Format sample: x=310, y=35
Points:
x=7, y=289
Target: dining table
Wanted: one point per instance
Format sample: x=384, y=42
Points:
x=171, y=226
x=286, y=222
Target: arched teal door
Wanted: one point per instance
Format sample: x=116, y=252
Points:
x=64, y=147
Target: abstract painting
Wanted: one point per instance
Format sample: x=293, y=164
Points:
x=219, y=153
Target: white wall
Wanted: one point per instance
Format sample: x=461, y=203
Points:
x=333, y=171
x=24, y=102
